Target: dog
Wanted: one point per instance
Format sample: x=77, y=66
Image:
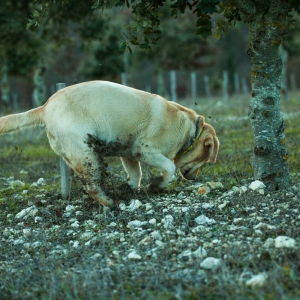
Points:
x=91, y=120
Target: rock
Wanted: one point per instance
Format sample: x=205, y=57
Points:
x=185, y=255
x=38, y=219
x=264, y=226
x=200, y=253
x=27, y=212
x=41, y=181
x=204, y=220
x=148, y=206
x=168, y=221
x=134, y=205
x=134, y=256
x=156, y=235
x=269, y=243
x=152, y=221
x=221, y=206
x=203, y=190
x=284, y=242
x=255, y=185
x=215, y=185
x=136, y=224
x=122, y=206
x=210, y=263
x=207, y=205
x=261, y=191
x=70, y=208
x=75, y=224
x=17, y=183
x=257, y=280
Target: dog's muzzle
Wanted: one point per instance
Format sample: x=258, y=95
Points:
x=189, y=174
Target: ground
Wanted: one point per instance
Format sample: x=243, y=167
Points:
x=213, y=238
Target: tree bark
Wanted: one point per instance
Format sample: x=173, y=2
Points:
x=4, y=85
x=39, y=92
x=270, y=153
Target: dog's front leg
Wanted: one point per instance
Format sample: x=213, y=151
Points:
x=162, y=163
x=133, y=170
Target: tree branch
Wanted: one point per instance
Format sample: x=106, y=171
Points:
x=246, y=7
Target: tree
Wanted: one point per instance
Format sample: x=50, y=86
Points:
x=268, y=21
x=18, y=49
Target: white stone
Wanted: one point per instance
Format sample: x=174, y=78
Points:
x=262, y=225
x=168, y=221
x=17, y=183
x=269, y=243
x=200, y=253
x=221, y=206
x=75, y=224
x=75, y=244
x=207, y=205
x=134, y=205
x=257, y=280
x=215, y=185
x=284, y=242
x=135, y=224
x=152, y=221
x=18, y=241
x=38, y=219
x=159, y=243
x=243, y=189
x=27, y=212
x=255, y=185
x=41, y=181
x=156, y=235
x=184, y=209
x=204, y=220
x=148, y=206
x=70, y=208
x=122, y=206
x=186, y=253
x=210, y=263
x=134, y=256
x=261, y=191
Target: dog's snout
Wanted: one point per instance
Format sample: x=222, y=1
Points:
x=188, y=175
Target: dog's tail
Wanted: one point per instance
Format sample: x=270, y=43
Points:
x=14, y=122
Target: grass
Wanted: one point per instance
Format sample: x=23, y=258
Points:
x=93, y=272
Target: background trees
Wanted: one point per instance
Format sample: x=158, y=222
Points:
x=175, y=45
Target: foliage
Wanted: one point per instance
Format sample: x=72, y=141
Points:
x=18, y=48
x=100, y=39
x=144, y=27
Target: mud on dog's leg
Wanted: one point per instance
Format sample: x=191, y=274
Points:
x=133, y=170
x=90, y=172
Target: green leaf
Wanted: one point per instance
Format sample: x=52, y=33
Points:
x=204, y=27
x=36, y=14
x=122, y=46
x=208, y=6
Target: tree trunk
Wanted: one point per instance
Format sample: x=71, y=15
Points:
x=4, y=85
x=39, y=92
x=270, y=154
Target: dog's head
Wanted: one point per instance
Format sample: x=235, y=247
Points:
x=205, y=149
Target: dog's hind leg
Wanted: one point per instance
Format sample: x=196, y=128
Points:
x=133, y=170
x=90, y=172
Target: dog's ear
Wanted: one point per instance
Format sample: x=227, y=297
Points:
x=201, y=122
x=211, y=144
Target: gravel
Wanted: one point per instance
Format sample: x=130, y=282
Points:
x=171, y=242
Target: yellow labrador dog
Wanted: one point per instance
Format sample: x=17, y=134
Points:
x=91, y=120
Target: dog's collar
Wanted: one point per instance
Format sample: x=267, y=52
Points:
x=192, y=141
